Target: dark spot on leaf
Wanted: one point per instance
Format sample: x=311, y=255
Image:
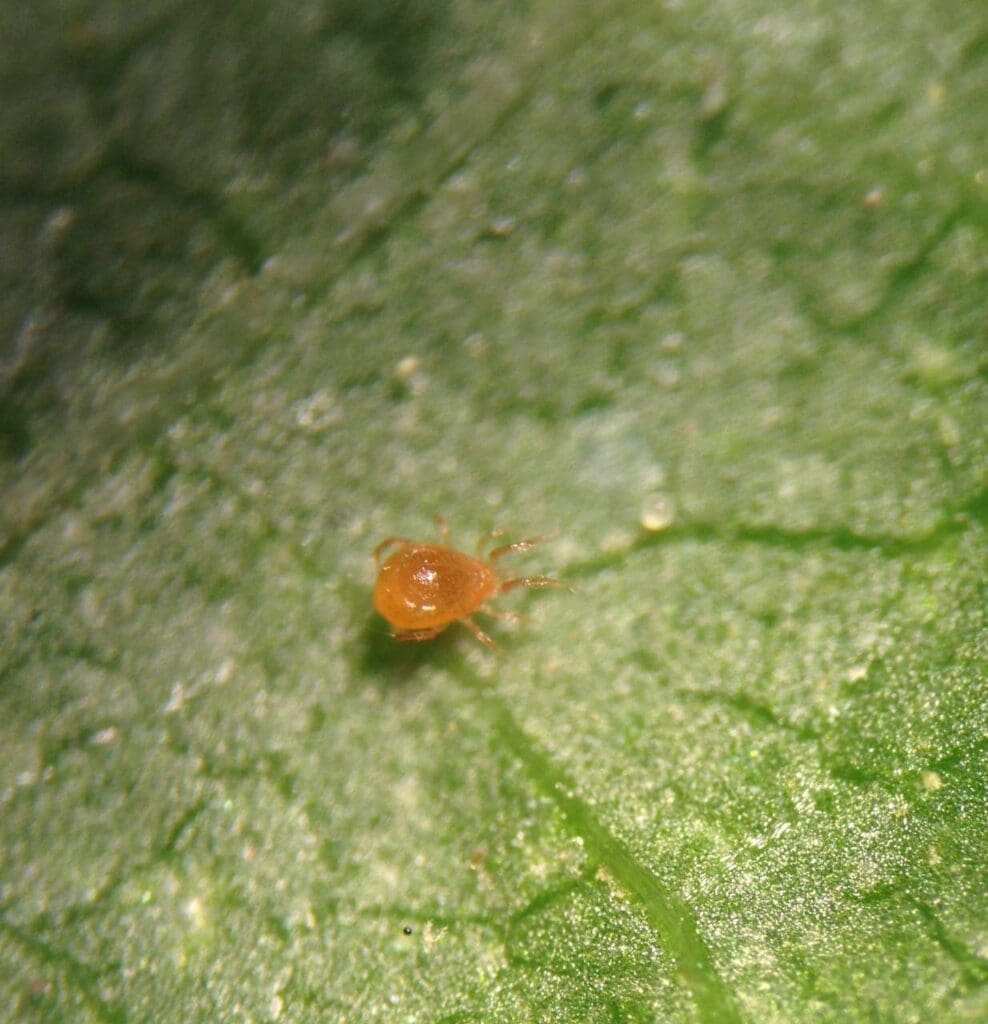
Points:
x=605, y=95
x=710, y=131
x=316, y=719
x=15, y=437
x=593, y=401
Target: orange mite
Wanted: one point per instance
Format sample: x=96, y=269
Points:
x=423, y=588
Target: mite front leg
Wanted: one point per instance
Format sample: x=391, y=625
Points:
x=509, y=549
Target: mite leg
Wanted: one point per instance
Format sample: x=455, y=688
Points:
x=486, y=539
x=532, y=581
x=518, y=545
x=503, y=615
x=443, y=530
x=480, y=635
x=418, y=634
x=387, y=543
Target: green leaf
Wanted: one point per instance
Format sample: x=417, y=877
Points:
x=698, y=291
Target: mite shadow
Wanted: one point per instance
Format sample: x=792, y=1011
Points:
x=395, y=663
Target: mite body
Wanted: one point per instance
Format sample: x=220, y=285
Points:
x=423, y=588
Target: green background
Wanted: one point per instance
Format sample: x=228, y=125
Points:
x=697, y=288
